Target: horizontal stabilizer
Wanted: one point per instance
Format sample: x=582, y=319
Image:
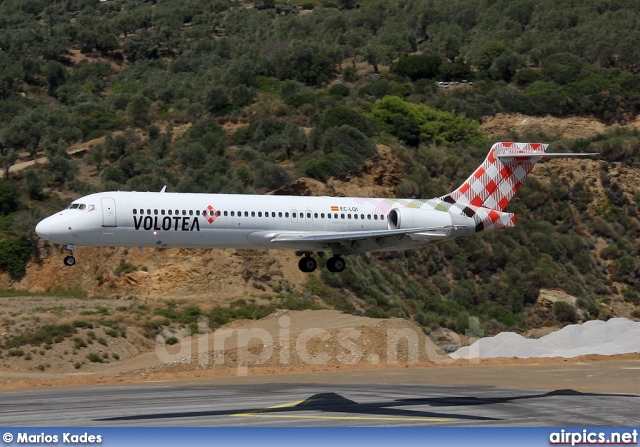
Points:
x=544, y=154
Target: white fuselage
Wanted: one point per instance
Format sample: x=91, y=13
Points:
x=165, y=220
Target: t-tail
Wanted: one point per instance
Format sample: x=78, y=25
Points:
x=487, y=192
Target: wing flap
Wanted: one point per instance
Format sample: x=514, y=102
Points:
x=351, y=236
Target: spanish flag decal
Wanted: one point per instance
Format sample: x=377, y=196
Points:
x=334, y=208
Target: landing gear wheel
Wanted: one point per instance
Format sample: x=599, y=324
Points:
x=69, y=261
x=336, y=264
x=307, y=264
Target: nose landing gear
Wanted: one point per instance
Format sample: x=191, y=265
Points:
x=70, y=260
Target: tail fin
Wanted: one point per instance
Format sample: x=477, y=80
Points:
x=486, y=193
x=498, y=178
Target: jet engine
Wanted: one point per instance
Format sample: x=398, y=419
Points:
x=406, y=218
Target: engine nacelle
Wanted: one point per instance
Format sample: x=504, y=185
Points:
x=406, y=218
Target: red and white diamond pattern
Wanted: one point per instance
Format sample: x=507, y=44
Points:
x=210, y=214
x=495, y=182
x=494, y=220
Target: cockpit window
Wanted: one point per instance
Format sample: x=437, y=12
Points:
x=82, y=207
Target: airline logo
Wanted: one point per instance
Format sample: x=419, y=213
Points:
x=166, y=223
x=175, y=223
x=210, y=214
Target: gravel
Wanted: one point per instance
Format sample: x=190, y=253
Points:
x=616, y=336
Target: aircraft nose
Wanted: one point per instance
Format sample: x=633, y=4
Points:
x=43, y=229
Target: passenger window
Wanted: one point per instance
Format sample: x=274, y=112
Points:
x=169, y=212
x=259, y=213
x=293, y=215
x=149, y=212
x=246, y=214
x=362, y=216
x=225, y=214
x=280, y=214
x=233, y=213
x=335, y=215
x=190, y=212
x=218, y=213
x=328, y=215
x=253, y=214
x=315, y=215
x=162, y=212
x=368, y=216
x=135, y=211
x=342, y=216
x=197, y=212
x=355, y=216
x=286, y=214
x=322, y=215
x=348, y=216
x=375, y=217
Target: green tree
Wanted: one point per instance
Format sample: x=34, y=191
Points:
x=34, y=184
x=414, y=123
x=422, y=66
x=488, y=53
x=138, y=112
x=56, y=76
x=7, y=159
x=15, y=252
x=9, y=200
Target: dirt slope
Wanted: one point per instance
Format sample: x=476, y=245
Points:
x=573, y=127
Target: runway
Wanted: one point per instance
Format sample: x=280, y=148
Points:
x=315, y=405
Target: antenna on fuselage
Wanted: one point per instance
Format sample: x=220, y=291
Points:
x=164, y=188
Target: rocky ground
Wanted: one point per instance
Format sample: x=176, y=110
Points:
x=110, y=340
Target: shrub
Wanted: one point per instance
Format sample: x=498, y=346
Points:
x=564, y=312
x=339, y=90
x=14, y=254
x=94, y=358
x=79, y=342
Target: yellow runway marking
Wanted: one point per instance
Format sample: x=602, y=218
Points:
x=260, y=413
x=341, y=418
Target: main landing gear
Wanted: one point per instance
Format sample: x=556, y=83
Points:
x=70, y=260
x=307, y=264
x=335, y=264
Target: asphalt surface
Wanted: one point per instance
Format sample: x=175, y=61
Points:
x=315, y=405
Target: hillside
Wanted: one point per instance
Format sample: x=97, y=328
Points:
x=322, y=98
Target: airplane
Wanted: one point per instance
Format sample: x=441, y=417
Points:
x=308, y=225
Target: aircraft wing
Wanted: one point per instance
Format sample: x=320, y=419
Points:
x=349, y=236
x=355, y=241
